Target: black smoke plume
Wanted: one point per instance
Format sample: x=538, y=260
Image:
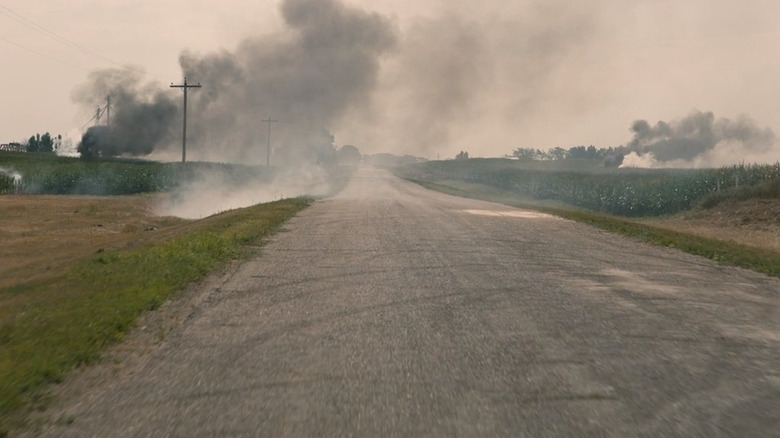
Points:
x=142, y=116
x=701, y=139
x=323, y=64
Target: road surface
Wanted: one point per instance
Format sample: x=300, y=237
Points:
x=394, y=311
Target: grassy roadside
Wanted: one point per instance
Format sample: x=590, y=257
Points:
x=50, y=327
x=757, y=259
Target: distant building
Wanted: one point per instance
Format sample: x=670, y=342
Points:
x=12, y=147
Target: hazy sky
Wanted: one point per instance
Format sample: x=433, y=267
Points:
x=486, y=77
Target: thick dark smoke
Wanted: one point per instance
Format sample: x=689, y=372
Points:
x=457, y=80
x=698, y=140
x=141, y=116
x=324, y=64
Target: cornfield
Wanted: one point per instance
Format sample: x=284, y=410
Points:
x=35, y=174
x=624, y=192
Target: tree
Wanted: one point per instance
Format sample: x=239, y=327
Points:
x=32, y=143
x=463, y=155
x=40, y=143
x=577, y=152
x=558, y=153
x=525, y=154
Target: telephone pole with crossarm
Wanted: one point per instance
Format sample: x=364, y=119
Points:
x=185, y=87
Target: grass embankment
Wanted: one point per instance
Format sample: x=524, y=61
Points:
x=727, y=253
x=52, y=326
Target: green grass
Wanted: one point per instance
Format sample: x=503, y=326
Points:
x=727, y=253
x=48, y=329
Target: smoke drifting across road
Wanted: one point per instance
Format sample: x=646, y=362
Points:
x=699, y=140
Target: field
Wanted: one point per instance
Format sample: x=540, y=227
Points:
x=49, y=174
x=43, y=235
x=80, y=267
x=621, y=192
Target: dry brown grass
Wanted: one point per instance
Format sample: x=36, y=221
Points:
x=44, y=235
x=61, y=304
x=755, y=222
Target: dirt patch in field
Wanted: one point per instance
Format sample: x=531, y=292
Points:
x=755, y=222
x=44, y=235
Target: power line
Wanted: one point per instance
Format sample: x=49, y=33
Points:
x=88, y=122
x=44, y=55
x=99, y=112
x=19, y=18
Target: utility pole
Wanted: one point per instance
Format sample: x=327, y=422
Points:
x=108, y=111
x=97, y=116
x=185, y=87
x=268, y=145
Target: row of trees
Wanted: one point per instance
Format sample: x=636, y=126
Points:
x=43, y=143
x=576, y=152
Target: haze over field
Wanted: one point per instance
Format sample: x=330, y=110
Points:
x=694, y=83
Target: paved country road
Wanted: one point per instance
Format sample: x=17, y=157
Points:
x=394, y=311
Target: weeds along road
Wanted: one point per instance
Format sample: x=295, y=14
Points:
x=395, y=311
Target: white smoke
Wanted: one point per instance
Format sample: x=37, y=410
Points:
x=70, y=141
x=15, y=176
x=209, y=194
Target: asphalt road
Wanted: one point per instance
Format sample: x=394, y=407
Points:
x=395, y=311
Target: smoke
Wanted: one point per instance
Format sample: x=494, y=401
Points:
x=324, y=63
x=142, y=115
x=462, y=77
x=700, y=140
x=15, y=177
x=441, y=70
x=474, y=75
x=213, y=193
